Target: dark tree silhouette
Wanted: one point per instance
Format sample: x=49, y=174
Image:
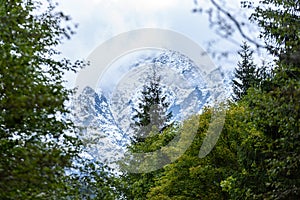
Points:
x=245, y=73
x=151, y=113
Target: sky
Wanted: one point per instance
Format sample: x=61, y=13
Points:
x=101, y=20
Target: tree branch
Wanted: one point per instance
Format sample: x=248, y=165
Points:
x=237, y=24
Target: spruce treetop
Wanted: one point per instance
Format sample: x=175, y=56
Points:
x=151, y=113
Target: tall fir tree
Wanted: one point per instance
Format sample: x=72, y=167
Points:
x=151, y=116
x=245, y=73
x=152, y=113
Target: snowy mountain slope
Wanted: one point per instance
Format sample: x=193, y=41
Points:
x=105, y=120
x=102, y=136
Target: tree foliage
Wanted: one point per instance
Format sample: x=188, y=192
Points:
x=246, y=73
x=38, y=143
x=279, y=20
x=257, y=154
x=270, y=158
x=256, y=157
x=190, y=177
x=150, y=133
x=152, y=110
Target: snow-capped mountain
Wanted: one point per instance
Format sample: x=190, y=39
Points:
x=103, y=139
x=106, y=119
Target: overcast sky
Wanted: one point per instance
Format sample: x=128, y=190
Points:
x=100, y=20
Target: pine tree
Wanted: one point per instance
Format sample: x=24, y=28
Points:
x=245, y=74
x=151, y=116
x=151, y=113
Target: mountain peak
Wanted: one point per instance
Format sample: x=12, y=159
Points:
x=108, y=124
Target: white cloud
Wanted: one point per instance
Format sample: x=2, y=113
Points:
x=99, y=20
x=141, y=5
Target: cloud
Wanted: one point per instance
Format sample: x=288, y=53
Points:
x=99, y=20
x=140, y=5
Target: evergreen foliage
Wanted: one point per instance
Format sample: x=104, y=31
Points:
x=151, y=133
x=152, y=113
x=246, y=74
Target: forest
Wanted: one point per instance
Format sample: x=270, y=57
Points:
x=257, y=155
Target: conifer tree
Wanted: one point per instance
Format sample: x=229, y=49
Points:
x=245, y=73
x=151, y=116
x=151, y=113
